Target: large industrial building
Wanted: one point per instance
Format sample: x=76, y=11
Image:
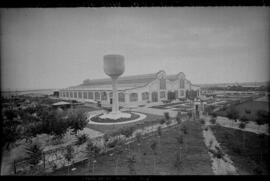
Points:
x=133, y=90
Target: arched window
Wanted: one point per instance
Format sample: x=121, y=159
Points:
x=67, y=94
x=75, y=94
x=145, y=96
x=90, y=95
x=85, y=95
x=133, y=97
x=97, y=96
x=182, y=83
x=80, y=95
x=104, y=96
x=71, y=94
x=162, y=83
x=121, y=97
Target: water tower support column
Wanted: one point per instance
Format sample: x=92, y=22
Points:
x=115, y=106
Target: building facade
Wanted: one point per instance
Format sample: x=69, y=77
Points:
x=133, y=90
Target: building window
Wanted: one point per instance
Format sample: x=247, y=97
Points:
x=111, y=94
x=75, y=94
x=145, y=96
x=71, y=94
x=182, y=83
x=133, y=97
x=121, y=97
x=90, y=95
x=162, y=83
x=85, y=95
x=182, y=93
x=97, y=96
x=104, y=96
x=80, y=95
x=162, y=94
x=67, y=94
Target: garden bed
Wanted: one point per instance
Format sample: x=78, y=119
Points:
x=195, y=159
x=108, y=120
x=250, y=156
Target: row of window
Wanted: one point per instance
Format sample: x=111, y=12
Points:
x=133, y=97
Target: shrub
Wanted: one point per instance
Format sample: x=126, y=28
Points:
x=162, y=121
x=242, y=125
x=127, y=132
x=202, y=121
x=232, y=113
x=184, y=129
x=166, y=115
x=213, y=121
x=247, y=111
x=81, y=139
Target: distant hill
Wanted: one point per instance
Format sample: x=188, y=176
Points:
x=29, y=92
x=244, y=84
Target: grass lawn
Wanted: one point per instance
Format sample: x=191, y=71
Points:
x=253, y=106
x=150, y=119
x=195, y=159
x=246, y=157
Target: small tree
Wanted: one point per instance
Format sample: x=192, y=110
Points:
x=131, y=164
x=242, y=126
x=162, y=121
x=178, y=117
x=184, y=129
x=118, y=150
x=139, y=139
x=153, y=146
x=262, y=117
x=106, y=138
x=77, y=121
x=166, y=116
x=92, y=152
x=69, y=155
x=159, y=130
x=127, y=132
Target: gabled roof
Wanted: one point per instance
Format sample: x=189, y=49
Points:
x=125, y=82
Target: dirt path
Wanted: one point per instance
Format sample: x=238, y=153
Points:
x=220, y=166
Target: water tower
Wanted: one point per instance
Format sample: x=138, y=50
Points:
x=114, y=67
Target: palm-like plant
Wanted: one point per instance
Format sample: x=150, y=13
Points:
x=34, y=153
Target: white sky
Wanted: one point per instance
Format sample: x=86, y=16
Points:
x=60, y=47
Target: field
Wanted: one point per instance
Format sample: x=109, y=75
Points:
x=253, y=106
x=250, y=156
x=195, y=159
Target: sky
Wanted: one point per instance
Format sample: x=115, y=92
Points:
x=60, y=47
